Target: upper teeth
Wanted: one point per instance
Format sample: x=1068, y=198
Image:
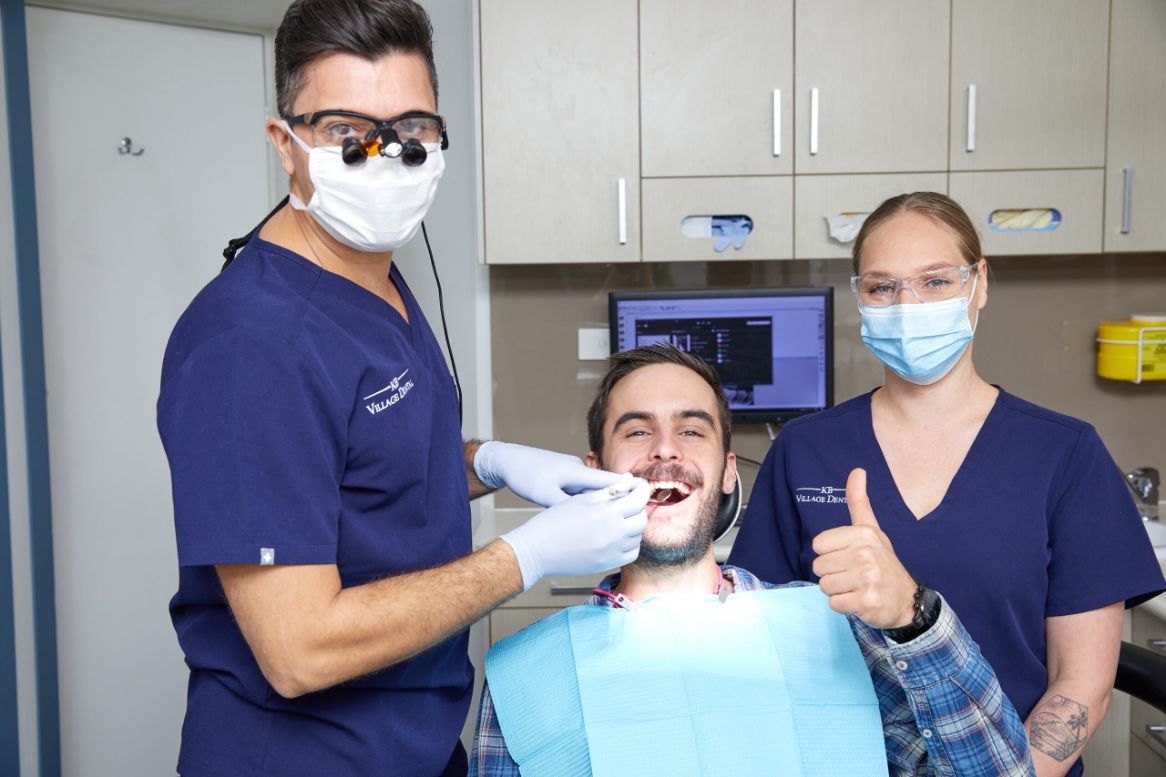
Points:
x=675, y=485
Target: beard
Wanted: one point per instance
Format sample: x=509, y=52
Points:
x=695, y=542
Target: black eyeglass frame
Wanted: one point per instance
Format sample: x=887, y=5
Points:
x=382, y=125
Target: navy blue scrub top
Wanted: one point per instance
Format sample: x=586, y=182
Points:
x=307, y=423
x=1037, y=522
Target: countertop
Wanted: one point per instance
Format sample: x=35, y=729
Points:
x=1157, y=605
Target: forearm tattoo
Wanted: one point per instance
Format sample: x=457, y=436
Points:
x=1059, y=727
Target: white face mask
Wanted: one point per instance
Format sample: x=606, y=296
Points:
x=373, y=207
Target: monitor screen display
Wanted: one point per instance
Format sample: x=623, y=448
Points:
x=773, y=348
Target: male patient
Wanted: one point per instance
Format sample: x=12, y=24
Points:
x=679, y=666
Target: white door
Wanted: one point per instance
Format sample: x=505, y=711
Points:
x=126, y=241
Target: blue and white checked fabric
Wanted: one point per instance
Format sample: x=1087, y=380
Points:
x=942, y=707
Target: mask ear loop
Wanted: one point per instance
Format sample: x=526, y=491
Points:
x=973, y=296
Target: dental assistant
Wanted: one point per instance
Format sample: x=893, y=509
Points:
x=320, y=480
x=1016, y=514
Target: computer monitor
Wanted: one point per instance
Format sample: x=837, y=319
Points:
x=773, y=348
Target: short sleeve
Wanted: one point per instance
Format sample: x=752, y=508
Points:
x=1099, y=551
x=769, y=541
x=255, y=452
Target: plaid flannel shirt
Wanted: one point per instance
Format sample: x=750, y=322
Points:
x=943, y=710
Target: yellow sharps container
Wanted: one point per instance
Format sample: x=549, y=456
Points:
x=1133, y=350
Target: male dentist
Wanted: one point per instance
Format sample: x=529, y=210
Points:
x=320, y=480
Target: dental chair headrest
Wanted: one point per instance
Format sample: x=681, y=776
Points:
x=728, y=512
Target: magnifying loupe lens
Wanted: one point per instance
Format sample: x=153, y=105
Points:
x=353, y=152
x=414, y=153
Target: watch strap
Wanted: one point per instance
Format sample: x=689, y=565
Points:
x=927, y=608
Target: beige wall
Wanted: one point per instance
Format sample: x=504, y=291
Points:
x=1036, y=340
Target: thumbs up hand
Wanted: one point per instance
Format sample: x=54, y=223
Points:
x=858, y=569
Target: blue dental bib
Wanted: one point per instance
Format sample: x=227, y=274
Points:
x=765, y=683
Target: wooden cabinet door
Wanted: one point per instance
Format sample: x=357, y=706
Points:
x=1075, y=195
x=817, y=197
x=766, y=201
x=716, y=83
x=560, y=131
x=879, y=72
x=1038, y=72
x=1135, y=176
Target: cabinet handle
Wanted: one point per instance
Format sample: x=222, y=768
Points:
x=971, y=117
x=1127, y=198
x=1157, y=645
x=623, y=211
x=571, y=590
x=777, y=122
x=814, y=120
x=1155, y=732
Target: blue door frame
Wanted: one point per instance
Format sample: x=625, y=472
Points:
x=20, y=143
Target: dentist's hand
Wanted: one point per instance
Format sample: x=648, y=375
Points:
x=542, y=477
x=587, y=533
x=858, y=568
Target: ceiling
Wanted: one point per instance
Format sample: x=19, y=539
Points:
x=258, y=15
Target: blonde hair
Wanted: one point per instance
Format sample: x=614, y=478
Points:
x=938, y=207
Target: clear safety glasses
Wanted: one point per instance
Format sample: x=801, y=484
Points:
x=880, y=291
x=360, y=137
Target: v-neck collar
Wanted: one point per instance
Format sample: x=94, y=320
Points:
x=884, y=469
x=353, y=293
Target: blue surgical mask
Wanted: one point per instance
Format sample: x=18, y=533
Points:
x=919, y=342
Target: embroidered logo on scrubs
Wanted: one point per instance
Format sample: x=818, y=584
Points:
x=396, y=390
x=829, y=495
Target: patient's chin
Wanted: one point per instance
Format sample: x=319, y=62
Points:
x=663, y=545
x=657, y=556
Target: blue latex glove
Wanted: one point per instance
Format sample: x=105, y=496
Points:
x=542, y=477
x=587, y=533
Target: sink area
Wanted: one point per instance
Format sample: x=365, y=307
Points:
x=1157, y=531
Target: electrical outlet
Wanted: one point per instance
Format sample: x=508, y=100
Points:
x=594, y=344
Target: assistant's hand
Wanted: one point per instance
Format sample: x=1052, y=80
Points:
x=542, y=477
x=858, y=568
x=586, y=533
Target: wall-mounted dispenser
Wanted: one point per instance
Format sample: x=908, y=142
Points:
x=728, y=230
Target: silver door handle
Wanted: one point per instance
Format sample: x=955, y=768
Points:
x=571, y=590
x=1155, y=732
x=1157, y=645
x=1127, y=198
x=814, y=120
x=777, y=122
x=971, y=117
x=623, y=212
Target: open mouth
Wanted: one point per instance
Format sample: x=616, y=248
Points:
x=669, y=492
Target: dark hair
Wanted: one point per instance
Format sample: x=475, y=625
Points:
x=626, y=362
x=366, y=28
x=938, y=207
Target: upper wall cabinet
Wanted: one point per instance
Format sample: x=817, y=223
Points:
x=560, y=130
x=1028, y=83
x=716, y=87
x=871, y=86
x=1135, y=191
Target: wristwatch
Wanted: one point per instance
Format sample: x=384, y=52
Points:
x=927, y=606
